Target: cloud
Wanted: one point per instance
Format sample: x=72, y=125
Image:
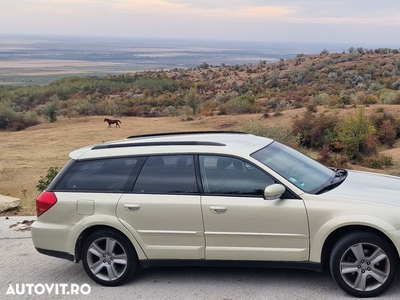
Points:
x=39, y=10
x=58, y=2
x=148, y=6
x=270, y=12
x=186, y=8
x=217, y=19
x=227, y=4
x=393, y=20
x=240, y=11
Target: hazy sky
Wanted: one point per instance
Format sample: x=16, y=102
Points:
x=359, y=22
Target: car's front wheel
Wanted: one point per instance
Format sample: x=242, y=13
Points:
x=109, y=258
x=363, y=264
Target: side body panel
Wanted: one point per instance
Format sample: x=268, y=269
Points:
x=252, y=228
x=166, y=226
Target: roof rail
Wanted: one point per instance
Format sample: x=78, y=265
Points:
x=183, y=132
x=172, y=143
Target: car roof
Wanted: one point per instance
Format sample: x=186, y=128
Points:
x=227, y=142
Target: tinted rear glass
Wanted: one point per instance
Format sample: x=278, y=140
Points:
x=110, y=174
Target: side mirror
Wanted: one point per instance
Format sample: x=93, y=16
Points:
x=274, y=191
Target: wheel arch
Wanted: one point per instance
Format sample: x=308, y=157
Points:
x=335, y=236
x=91, y=229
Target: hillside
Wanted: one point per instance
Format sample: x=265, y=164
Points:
x=42, y=124
x=335, y=80
x=306, y=75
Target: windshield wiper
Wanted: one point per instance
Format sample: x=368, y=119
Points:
x=340, y=173
x=338, y=177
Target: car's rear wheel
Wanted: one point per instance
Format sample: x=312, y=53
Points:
x=363, y=264
x=109, y=258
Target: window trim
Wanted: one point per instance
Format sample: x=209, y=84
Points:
x=129, y=189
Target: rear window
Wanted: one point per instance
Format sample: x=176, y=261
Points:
x=111, y=174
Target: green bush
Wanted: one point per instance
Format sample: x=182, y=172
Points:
x=10, y=119
x=87, y=107
x=192, y=99
x=7, y=114
x=240, y=105
x=320, y=99
x=387, y=96
x=47, y=179
x=51, y=108
x=51, y=113
x=354, y=133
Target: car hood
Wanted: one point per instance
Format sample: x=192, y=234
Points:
x=368, y=187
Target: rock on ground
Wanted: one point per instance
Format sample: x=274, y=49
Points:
x=7, y=203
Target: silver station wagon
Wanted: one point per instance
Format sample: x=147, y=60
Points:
x=219, y=198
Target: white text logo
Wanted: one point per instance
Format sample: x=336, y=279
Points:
x=48, y=289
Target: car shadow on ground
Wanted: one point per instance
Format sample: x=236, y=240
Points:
x=201, y=283
x=247, y=283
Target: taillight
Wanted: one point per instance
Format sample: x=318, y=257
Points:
x=44, y=202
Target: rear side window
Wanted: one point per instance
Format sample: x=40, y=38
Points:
x=111, y=174
x=172, y=174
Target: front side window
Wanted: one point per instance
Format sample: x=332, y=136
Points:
x=110, y=174
x=172, y=174
x=223, y=175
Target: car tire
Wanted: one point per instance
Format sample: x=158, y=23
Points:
x=363, y=264
x=109, y=258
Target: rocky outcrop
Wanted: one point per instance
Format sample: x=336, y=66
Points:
x=7, y=203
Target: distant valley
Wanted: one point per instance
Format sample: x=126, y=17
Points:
x=43, y=59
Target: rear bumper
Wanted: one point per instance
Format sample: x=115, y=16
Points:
x=55, y=239
x=57, y=254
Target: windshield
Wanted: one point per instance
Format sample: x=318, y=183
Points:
x=301, y=170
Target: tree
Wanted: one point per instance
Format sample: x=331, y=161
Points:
x=51, y=110
x=324, y=52
x=204, y=65
x=192, y=99
x=354, y=134
x=360, y=50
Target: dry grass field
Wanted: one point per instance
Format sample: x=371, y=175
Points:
x=26, y=155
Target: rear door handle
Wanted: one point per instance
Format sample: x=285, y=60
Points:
x=132, y=207
x=216, y=209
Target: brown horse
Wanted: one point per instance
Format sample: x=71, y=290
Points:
x=116, y=122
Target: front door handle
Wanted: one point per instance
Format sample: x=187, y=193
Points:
x=216, y=209
x=132, y=207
